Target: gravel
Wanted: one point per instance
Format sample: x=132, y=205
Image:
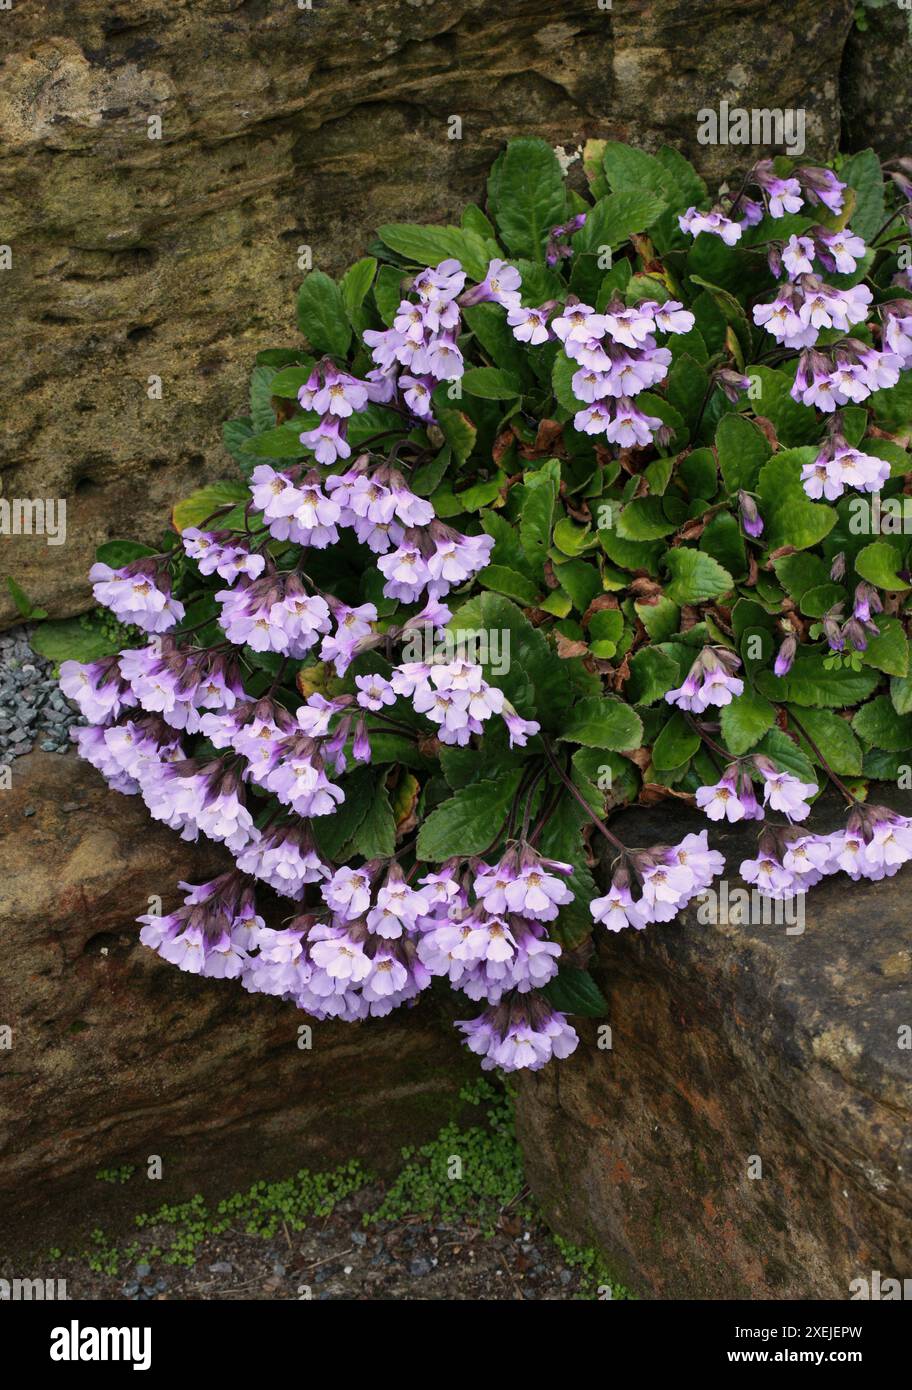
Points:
x=34, y=712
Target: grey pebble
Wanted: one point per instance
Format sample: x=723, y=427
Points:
x=221, y=1267
x=420, y=1267
x=143, y=1270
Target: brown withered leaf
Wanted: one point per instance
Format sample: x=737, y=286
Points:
x=502, y=445
x=598, y=605
x=548, y=441
x=753, y=570
x=429, y=747
x=566, y=647
x=640, y=757
x=690, y=531
x=551, y=579
x=768, y=429
x=645, y=590
x=653, y=792
x=580, y=511
x=690, y=616
x=778, y=554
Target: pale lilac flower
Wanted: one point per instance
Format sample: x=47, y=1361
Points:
x=714, y=222
x=97, y=688
x=138, y=593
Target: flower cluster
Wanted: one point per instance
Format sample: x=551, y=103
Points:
x=526, y=548
x=617, y=358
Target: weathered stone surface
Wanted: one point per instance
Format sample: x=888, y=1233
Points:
x=176, y=258
x=730, y=1042
x=116, y=1055
x=877, y=83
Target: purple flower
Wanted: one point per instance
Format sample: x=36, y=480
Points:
x=710, y=681
x=751, y=519
x=502, y=284
x=138, y=593
x=714, y=222
x=218, y=552
x=98, y=689
x=284, y=857
x=785, y=657
x=722, y=800
x=784, y=792
x=520, y=1034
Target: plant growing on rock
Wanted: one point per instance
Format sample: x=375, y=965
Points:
x=565, y=507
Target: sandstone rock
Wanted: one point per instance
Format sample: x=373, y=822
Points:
x=176, y=258
x=731, y=1044
x=116, y=1055
x=877, y=83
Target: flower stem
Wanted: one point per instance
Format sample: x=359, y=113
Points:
x=837, y=782
x=578, y=796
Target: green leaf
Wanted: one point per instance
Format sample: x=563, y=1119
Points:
x=24, y=605
x=789, y=516
x=603, y=723
x=893, y=405
x=614, y=219
x=652, y=673
x=632, y=169
x=527, y=196
x=562, y=374
x=288, y=382
x=262, y=415
x=879, y=724
x=695, y=576
x=333, y=833
x=660, y=619
x=356, y=283
x=536, y=678
x=722, y=540
x=468, y=821
x=423, y=246
x=321, y=314
x=889, y=651
x=490, y=383
x=506, y=581
x=388, y=292
x=458, y=431
x=732, y=311
x=74, y=639
x=746, y=720
x=787, y=756
x=573, y=991
x=901, y=694
x=879, y=563
x=489, y=324
x=834, y=738
x=800, y=572
x=119, y=553
x=675, y=745
x=743, y=449
x=644, y=519
x=283, y=442
x=862, y=172
x=795, y=424
x=375, y=837
x=537, y=516
x=810, y=683
x=193, y=510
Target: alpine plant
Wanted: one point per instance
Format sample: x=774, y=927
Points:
x=592, y=499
